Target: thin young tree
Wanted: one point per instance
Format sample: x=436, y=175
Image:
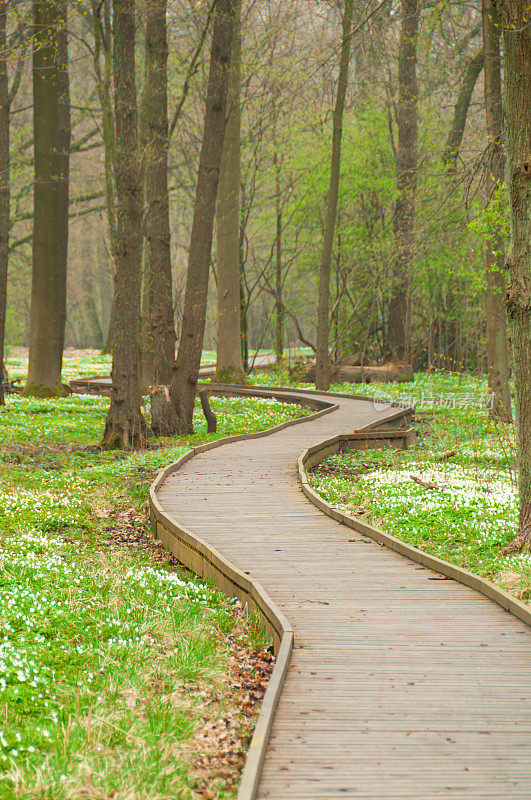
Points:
x=51, y=131
x=497, y=347
x=125, y=426
x=185, y=373
x=322, y=367
x=4, y=184
x=398, y=325
x=516, y=24
x=462, y=106
x=158, y=341
x=229, y=351
x=279, y=303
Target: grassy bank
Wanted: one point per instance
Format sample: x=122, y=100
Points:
x=120, y=675
x=452, y=494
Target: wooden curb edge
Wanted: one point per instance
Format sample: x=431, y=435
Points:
x=205, y=561
x=487, y=588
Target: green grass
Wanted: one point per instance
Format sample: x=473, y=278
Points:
x=472, y=513
x=110, y=658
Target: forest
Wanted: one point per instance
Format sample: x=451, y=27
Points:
x=320, y=196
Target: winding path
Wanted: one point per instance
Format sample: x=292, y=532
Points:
x=402, y=683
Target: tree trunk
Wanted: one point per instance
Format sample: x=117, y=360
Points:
x=185, y=372
x=158, y=353
x=244, y=328
x=322, y=367
x=455, y=135
x=497, y=348
x=109, y=339
x=229, y=351
x=516, y=21
x=64, y=156
x=50, y=226
x=4, y=185
x=398, y=331
x=279, y=305
x=125, y=426
x=101, y=14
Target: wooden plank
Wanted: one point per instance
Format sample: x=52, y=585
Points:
x=368, y=623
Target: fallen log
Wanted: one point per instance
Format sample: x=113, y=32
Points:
x=387, y=373
x=355, y=360
x=425, y=484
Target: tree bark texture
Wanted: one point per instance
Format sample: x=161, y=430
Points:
x=322, y=366
x=516, y=24
x=229, y=351
x=65, y=133
x=497, y=347
x=398, y=331
x=101, y=14
x=125, y=427
x=50, y=226
x=244, y=329
x=185, y=372
x=4, y=184
x=457, y=129
x=158, y=351
x=279, y=304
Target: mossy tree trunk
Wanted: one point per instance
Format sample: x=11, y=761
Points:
x=51, y=127
x=229, y=351
x=497, y=347
x=322, y=367
x=158, y=329
x=4, y=184
x=125, y=426
x=516, y=24
x=398, y=328
x=185, y=373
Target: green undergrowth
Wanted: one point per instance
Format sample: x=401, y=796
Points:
x=453, y=493
x=110, y=655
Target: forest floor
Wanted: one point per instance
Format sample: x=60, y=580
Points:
x=121, y=676
x=453, y=494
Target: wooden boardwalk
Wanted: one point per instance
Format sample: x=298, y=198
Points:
x=102, y=384
x=402, y=684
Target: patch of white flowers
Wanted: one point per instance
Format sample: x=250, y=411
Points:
x=66, y=619
x=62, y=621
x=471, y=506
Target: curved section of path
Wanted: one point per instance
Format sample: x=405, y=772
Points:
x=402, y=684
